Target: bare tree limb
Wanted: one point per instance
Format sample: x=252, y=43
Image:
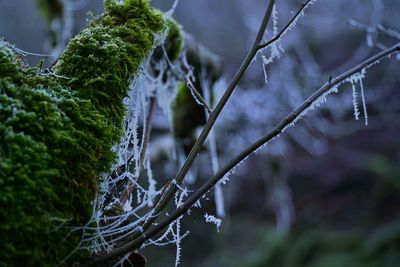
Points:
x=139, y=238
x=135, y=244
x=278, y=129
x=260, y=142
x=257, y=45
x=264, y=140
x=196, y=93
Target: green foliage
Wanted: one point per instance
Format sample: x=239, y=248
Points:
x=56, y=132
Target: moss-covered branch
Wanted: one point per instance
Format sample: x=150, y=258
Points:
x=57, y=131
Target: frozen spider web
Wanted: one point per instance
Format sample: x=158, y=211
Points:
x=126, y=196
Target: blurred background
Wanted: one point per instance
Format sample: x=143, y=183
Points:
x=327, y=191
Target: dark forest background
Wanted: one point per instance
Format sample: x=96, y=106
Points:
x=327, y=192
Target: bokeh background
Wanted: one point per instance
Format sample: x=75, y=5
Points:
x=326, y=192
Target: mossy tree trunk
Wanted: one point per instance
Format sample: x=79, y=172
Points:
x=57, y=129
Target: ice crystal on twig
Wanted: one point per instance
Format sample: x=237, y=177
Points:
x=213, y=219
x=358, y=77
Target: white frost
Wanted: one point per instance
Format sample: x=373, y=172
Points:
x=355, y=101
x=357, y=78
x=213, y=219
x=212, y=145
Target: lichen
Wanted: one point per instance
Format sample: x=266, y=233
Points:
x=57, y=131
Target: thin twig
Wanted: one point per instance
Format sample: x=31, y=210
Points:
x=374, y=28
x=285, y=29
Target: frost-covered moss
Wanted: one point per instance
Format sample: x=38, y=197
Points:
x=53, y=145
x=56, y=132
x=101, y=60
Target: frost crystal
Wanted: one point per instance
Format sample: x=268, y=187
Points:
x=276, y=46
x=355, y=101
x=315, y=104
x=358, y=77
x=225, y=179
x=213, y=219
x=363, y=102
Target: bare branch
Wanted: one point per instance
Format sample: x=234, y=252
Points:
x=260, y=142
x=165, y=199
x=374, y=28
x=197, y=96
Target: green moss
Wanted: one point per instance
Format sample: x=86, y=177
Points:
x=56, y=132
x=100, y=61
x=53, y=146
x=173, y=45
x=174, y=42
x=50, y=9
